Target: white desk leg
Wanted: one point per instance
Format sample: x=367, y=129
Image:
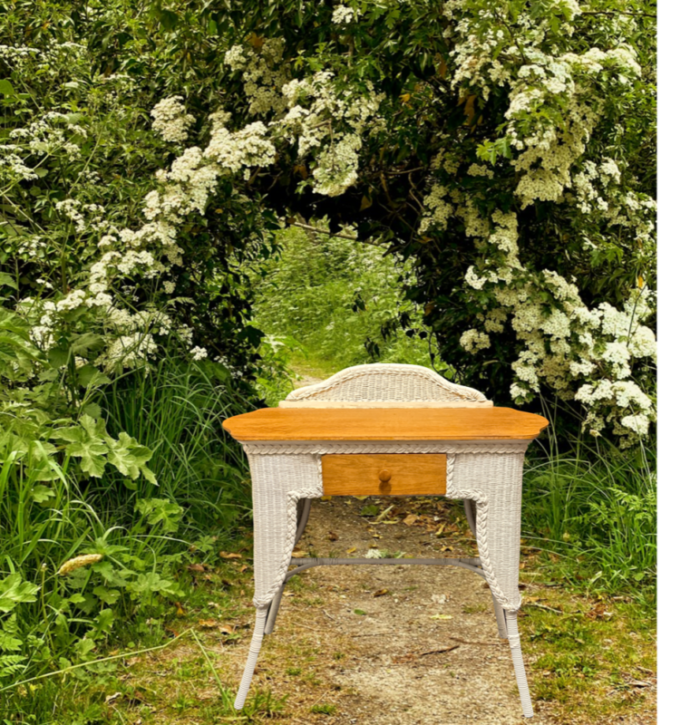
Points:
x=517, y=654
x=494, y=481
x=279, y=481
x=255, y=645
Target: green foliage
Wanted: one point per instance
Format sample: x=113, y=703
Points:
x=598, y=509
x=338, y=302
x=87, y=556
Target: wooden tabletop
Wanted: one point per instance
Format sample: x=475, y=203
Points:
x=385, y=424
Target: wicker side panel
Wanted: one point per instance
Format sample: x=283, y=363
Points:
x=495, y=483
x=278, y=483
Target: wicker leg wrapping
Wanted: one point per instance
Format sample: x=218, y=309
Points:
x=518, y=664
x=255, y=645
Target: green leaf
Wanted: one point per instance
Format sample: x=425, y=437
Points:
x=108, y=596
x=7, y=281
x=88, y=341
x=83, y=647
x=14, y=591
x=6, y=88
x=152, y=583
x=168, y=19
x=9, y=643
x=88, y=441
x=41, y=494
x=58, y=357
x=8, y=640
x=130, y=457
x=89, y=376
x=160, y=510
x=103, y=623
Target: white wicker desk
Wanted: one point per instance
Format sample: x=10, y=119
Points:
x=449, y=442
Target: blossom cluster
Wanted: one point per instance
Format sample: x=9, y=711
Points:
x=555, y=102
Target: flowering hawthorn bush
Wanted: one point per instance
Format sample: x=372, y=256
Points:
x=505, y=147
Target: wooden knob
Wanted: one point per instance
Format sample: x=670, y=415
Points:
x=385, y=476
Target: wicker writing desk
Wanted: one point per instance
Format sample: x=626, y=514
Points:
x=390, y=430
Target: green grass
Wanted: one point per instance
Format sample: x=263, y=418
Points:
x=177, y=410
x=145, y=533
x=597, y=511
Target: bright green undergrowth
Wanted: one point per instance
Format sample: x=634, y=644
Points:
x=139, y=533
x=326, y=303
x=595, y=507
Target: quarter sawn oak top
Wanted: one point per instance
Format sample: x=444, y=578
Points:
x=385, y=424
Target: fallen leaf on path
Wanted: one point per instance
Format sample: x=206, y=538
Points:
x=352, y=550
x=195, y=567
x=410, y=519
x=299, y=554
x=441, y=616
x=208, y=623
x=230, y=555
x=332, y=536
x=380, y=592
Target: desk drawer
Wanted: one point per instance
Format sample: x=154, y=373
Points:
x=385, y=474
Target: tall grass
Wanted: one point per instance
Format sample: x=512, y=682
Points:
x=142, y=532
x=338, y=302
x=176, y=409
x=596, y=506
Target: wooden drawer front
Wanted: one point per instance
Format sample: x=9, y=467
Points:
x=385, y=474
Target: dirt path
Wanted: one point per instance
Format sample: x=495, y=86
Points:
x=407, y=645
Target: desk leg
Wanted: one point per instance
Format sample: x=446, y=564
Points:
x=469, y=510
x=255, y=645
x=518, y=665
x=302, y=518
x=500, y=618
x=494, y=482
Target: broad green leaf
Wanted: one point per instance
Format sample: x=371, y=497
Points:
x=89, y=376
x=108, y=596
x=88, y=341
x=160, y=510
x=41, y=494
x=14, y=591
x=7, y=280
x=83, y=647
x=130, y=457
x=89, y=443
x=58, y=357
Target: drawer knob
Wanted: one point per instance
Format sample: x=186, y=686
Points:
x=385, y=476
